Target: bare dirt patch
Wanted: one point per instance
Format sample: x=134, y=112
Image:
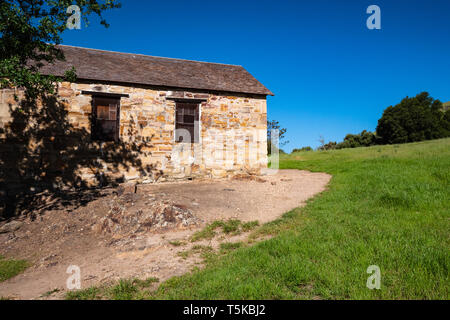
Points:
x=118, y=235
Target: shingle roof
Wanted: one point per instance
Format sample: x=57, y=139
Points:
x=92, y=64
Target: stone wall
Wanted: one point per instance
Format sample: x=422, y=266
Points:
x=232, y=139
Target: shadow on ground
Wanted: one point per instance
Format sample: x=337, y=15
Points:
x=43, y=157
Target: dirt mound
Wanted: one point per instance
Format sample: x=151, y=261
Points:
x=122, y=248
x=248, y=177
x=157, y=214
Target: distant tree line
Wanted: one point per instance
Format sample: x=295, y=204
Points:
x=363, y=139
x=414, y=119
x=308, y=148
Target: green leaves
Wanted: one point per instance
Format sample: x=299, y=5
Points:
x=413, y=119
x=30, y=31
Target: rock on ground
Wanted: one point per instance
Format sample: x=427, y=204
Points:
x=11, y=226
x=158, y=214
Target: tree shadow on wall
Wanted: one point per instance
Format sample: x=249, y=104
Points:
x=43, y=156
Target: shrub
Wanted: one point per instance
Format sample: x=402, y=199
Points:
x=328, y=146
x=364, y=139
x=308, y=148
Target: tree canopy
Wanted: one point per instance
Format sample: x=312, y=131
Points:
x=30, y=31
x=413, y=119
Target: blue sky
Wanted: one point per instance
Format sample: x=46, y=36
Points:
x=330, y=74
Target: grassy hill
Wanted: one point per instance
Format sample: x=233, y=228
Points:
x=386, y=206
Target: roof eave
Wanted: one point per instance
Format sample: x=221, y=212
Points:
x=267, y=92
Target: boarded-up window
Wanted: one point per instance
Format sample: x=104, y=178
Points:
x=187, y=122
x=105, y=119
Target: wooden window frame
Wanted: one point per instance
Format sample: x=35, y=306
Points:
x=95, y=121
x=180, y=107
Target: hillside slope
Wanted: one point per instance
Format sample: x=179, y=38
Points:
x=386, y=206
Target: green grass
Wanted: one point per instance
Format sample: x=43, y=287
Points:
x=247, y=226
x=10, y=268
x=386, y=206
x=230, y=227
x=92, y=293
x=225, y=247
x=184, y=254
x=125, y=289
x=204, y=251
x=177, y=243
x=49, y=293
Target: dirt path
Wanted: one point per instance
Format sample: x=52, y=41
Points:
x=60, y=238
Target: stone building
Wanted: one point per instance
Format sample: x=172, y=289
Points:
x=131, y=116
x=446, y=106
